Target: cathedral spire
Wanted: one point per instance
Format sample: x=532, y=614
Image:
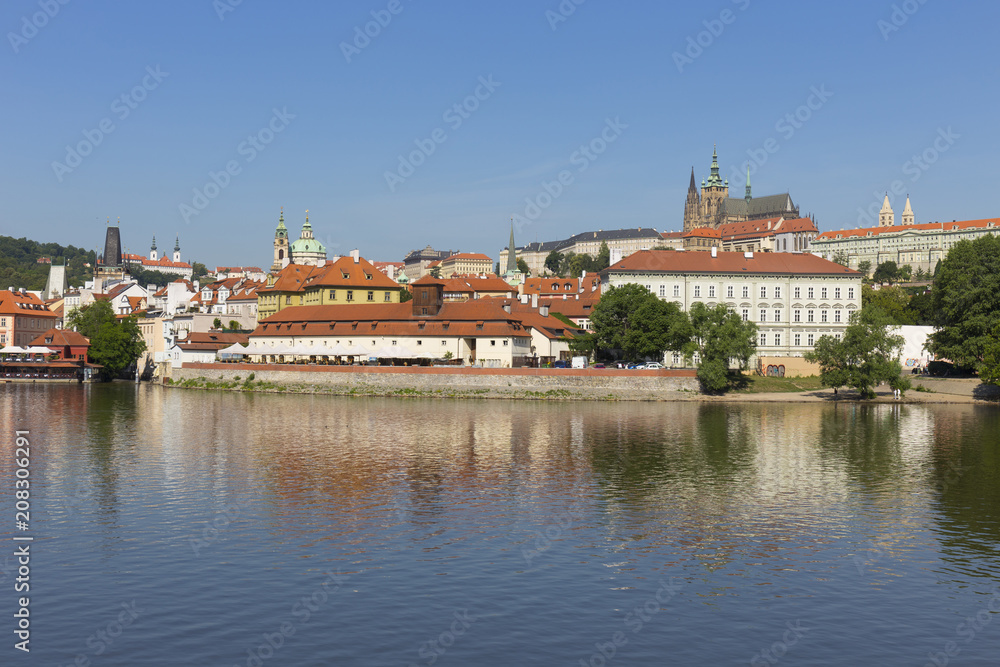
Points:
x=714, y=179
x=692, y=187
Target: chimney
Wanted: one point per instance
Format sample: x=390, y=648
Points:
x=715, y=251
x=506, y=308
x=534, y=301
x=356, y=254
x=748, y=255
x=543, y=311
x=524, y=299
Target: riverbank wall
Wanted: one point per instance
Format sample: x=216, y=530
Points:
x=575, y=384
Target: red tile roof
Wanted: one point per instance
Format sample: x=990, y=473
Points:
x=61, y=338
x=780, y=263
x=345, y=272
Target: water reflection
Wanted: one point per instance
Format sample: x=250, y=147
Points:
x=754, y=506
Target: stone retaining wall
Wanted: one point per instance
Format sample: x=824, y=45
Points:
x=500, y=382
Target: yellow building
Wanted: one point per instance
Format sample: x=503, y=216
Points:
x=348, y=281
x=465, y=264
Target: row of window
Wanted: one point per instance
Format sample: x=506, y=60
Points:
x=824, y=315
x=824, y=292
x=796, y=339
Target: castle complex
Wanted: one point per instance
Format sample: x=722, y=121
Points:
x=712, y=206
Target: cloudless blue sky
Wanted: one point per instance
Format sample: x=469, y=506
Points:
x=892, y=98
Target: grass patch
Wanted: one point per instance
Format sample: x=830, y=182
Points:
x=922, y=388
x=757, y=384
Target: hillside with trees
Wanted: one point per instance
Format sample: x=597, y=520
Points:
x=19, y=266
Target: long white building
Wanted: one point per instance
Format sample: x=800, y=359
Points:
x=793, y=298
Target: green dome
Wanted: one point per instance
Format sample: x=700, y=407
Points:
x=308, y=245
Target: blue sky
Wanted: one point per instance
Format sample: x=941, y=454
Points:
x=886, y=82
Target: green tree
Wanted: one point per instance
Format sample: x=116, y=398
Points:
x=522, y=266
x=217, y=323
x=905, y=272
x=114, y=344
x=719, y=337
x=553, y=262
x=234, y=325
x=198, y=270
x=841, y=257
x=867, y=356
x=892, y=301
x=603, y=259
x=966, y=295
x=920, y=309
x=886, y=272
x=865, y=268
x=436, y=271
x=919, y=275
x=405, y=295
x=631, y=320
x=990, y=369
x=157, y=278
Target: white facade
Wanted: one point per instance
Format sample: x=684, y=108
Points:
x=791, y=311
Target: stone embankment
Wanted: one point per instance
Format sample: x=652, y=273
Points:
x=529, y=383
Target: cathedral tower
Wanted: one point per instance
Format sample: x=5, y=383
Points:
x=692, y=206
x=713, y=193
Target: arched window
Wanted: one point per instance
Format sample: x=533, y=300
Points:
x=281, y=254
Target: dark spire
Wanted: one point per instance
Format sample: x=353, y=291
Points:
x=692, y=187
x=511, y=257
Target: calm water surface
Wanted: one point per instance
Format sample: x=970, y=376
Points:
x=189, y=528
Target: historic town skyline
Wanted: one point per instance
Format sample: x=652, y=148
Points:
x=393, y=146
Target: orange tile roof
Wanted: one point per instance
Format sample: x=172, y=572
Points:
x=703, y=232
x=469, y=255
x=16, y=303
x=929, y=227
x=475, y=285
x=345, y=272
x=780, y=263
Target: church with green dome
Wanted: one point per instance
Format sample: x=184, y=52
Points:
x=304, y=250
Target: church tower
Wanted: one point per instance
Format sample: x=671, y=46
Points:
x=713, y=193
x=749, y=196
x=886, y=218
x=692, y=206
x=177, y=249
x=908, y=217
x=281, y=257
x=152, y=251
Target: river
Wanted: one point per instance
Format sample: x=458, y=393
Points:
x=176, y=527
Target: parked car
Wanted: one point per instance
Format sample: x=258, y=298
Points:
x=653, y=366
x=598, y=366
x=559, y=364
